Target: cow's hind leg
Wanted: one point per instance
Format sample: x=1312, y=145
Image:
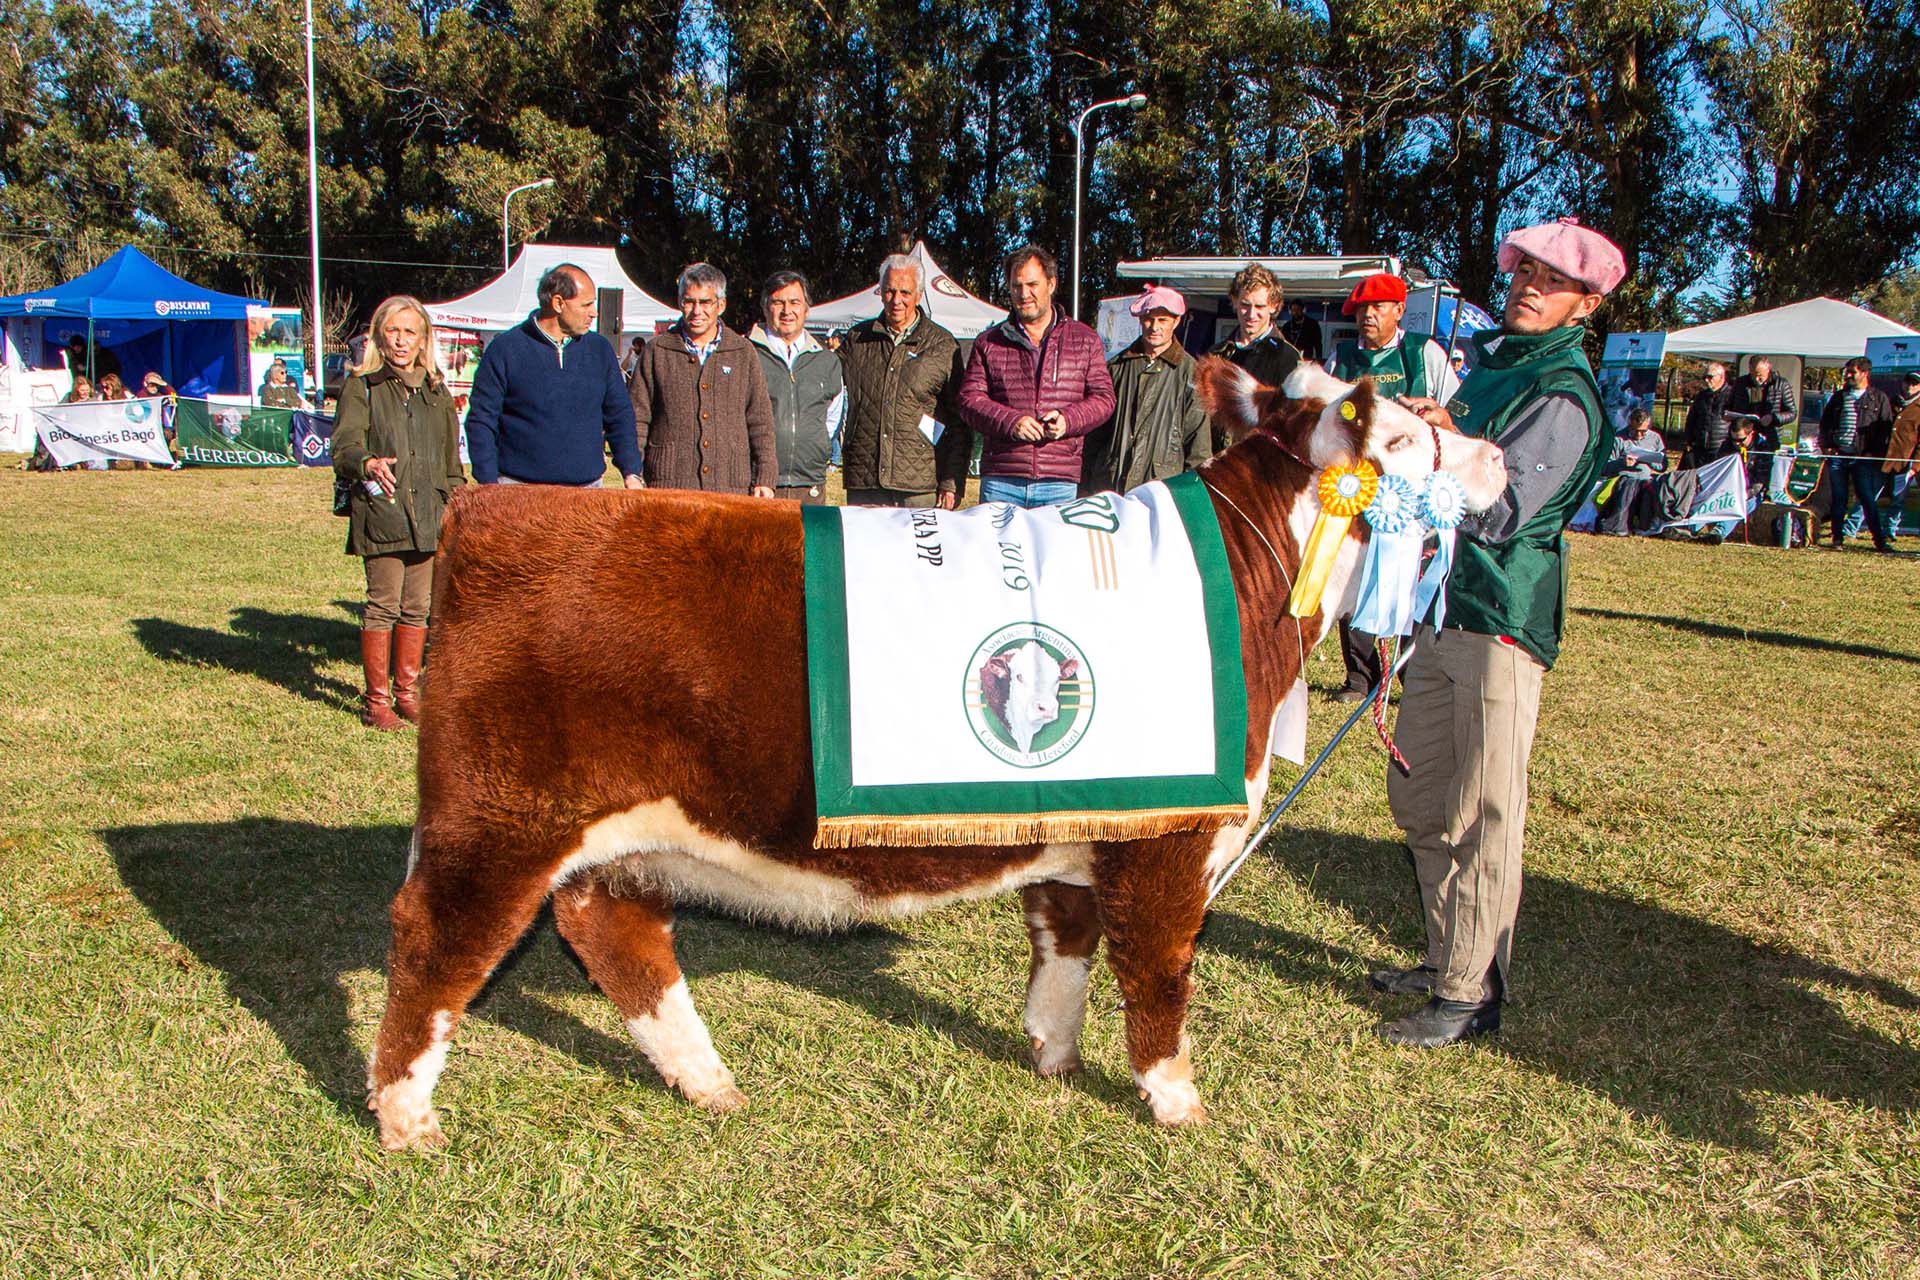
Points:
x=1063, y=926
x=626, y=941
x=449, y=931
x=1152, y=898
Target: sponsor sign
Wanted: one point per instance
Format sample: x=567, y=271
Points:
x=101, y=431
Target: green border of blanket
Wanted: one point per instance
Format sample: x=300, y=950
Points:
x=828, y=677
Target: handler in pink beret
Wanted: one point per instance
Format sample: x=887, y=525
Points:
x=1472, y=692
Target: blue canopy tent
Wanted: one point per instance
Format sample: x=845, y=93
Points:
x=149, y=318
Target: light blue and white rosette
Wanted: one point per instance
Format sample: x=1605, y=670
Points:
x=1390, y=574
x=1442, y=507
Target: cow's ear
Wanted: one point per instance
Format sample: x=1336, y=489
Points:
x=1068, y=668
x=1309, y=381
x=1232, y=397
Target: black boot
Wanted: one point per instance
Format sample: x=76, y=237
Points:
x=1441, y=1022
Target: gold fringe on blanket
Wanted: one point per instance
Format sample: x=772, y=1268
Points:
x=1019, y=828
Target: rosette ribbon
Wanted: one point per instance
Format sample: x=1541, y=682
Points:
x=1391, y=570
x=1345, y=492
x=1442, y=507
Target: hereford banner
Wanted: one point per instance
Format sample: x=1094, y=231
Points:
x=226, y=435
x=998, y=675
x=104, y=430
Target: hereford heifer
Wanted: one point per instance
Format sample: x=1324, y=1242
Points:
x=617, y=720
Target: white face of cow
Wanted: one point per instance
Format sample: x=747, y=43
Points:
x=1396, y=441
x=1023, y=687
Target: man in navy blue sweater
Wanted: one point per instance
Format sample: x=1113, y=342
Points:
x=548, y=399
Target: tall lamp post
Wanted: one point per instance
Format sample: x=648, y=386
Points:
x=1132, y=102
x=506, y=227
x=313, y=219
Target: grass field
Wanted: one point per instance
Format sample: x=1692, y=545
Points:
x=1711, y=1066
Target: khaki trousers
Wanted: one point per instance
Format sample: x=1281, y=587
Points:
x=1467, y=714
x=399, y=589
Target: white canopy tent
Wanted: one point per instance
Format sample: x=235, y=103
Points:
x=506, y=300
x=1821, y=332
x=958, y=311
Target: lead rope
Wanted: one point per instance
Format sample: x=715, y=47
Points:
x=1254, y=842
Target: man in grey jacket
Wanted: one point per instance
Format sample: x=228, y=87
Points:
x=804, y=385
x=1158, y=428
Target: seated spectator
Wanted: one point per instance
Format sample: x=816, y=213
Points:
x=154, y=385
x=277, y=392
x=1639, y=459
x=82, y=390
x=111, y=388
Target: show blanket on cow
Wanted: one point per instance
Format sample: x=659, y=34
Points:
x=999, y=674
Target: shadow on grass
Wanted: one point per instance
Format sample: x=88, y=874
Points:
x=1670, y=1016
x=285, y=649
x=1784, y=639
x=286, y=910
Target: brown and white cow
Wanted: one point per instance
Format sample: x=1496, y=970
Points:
x=617, y=720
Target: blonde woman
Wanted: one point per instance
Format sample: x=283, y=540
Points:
x=396, y=442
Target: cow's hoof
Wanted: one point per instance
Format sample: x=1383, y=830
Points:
x=413, y=1134
x=1179, y=1115
x=1055, y=1062
x=722, y=1101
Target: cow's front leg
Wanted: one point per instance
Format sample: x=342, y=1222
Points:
x=1152, y=898
x=626, y=942
x=1063, y=926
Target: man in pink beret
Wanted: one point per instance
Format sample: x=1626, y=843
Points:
x=1472, y=693
x=1158, y=428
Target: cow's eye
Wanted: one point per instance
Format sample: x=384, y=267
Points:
x=1398, y=442
x=1019, y=679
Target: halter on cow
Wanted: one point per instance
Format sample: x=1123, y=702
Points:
x=618, y=720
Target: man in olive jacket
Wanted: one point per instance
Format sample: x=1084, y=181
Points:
x=904, y=443
x=1472, y=693
x=1158, y=428
x=700, y=407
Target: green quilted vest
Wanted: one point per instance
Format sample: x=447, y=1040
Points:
x=1396, y=371
x=1518, y=588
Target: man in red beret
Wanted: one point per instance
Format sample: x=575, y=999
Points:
x=1472, y=693
x=1400, y=365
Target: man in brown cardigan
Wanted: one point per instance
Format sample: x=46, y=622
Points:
x=700, y=403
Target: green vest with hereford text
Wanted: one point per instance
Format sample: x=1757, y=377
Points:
x=1398, y=370
x=1518, y=588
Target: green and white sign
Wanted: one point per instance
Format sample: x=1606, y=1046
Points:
x=225, y=435
x=1001, y=673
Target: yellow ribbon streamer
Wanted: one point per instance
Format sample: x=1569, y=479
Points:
x=1344, y=493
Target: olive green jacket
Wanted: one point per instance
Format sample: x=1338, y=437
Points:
x=379, y=418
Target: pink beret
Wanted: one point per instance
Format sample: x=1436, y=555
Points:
x=1570, y=249
x=1161, y=296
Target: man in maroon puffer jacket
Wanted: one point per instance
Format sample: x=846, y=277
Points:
x=1035, y=385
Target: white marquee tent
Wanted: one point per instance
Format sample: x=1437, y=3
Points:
x=506, y=300
x=958, y=311
x=1823, y=332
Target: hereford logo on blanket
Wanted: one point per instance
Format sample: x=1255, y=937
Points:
x=952, y=658
x=1029, y=694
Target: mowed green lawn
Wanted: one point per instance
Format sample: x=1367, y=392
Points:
x=1711, y=1065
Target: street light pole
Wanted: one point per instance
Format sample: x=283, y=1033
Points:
x=1132, y=102
x=313, y=219
x=506, y=227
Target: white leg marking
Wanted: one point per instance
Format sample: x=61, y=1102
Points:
x=1056, y=1004
x=1168, y=1088
x=677, y=1044
x=413, y=852
x=405, y=1107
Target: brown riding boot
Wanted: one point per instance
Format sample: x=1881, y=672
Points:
x=409, y=644
x=378, y=711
